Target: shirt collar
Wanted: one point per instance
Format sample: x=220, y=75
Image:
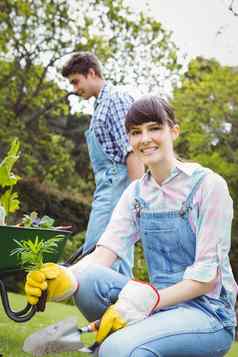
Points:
x=188, y=168
x=102, y=94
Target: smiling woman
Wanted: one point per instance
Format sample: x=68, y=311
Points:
x=152, y=128
x=182, y=213
x=185, y=236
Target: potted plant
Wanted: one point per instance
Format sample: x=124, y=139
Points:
x=32, y=228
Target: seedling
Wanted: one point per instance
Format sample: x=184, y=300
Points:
x=31, y=253
x=33, y=220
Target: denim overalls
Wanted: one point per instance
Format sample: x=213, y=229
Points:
x=169, y=248
x=202, y=327
x=111, y=180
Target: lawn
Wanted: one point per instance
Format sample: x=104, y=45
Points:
x=12, y=334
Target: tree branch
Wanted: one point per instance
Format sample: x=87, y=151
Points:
x=49, y=107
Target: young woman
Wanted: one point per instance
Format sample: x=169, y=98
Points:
x=182, y=212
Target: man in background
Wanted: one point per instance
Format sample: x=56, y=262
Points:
x=114, y=164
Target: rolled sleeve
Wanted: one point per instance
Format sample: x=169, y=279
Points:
x=213, y=208
x=119, y=106
x=121, y=232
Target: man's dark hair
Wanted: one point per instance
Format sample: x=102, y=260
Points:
x=81, y=63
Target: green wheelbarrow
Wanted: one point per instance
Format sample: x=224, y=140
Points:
x=9, y=264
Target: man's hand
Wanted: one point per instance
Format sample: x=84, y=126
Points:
x=135, y=166
x=136, y=301
x=59, y=282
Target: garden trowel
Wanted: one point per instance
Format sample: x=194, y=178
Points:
x=64, y=336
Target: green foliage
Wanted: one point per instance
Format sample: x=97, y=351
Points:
x=9, y=199
x=140, y=269
x=73, y=244
x=34, y=37
x=33, y=220
x=7, y=177
x=31, y=254
x=207, y=106
x=135, y=48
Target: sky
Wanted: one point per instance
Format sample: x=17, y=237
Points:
x=200, y=27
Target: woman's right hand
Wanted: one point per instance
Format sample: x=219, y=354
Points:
x=59, y=282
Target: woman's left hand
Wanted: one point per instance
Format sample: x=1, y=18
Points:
x=136, y=301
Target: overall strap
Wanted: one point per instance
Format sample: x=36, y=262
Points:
x=187, y=205
x=138, y=202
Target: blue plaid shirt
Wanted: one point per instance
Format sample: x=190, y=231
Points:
x=108, y=122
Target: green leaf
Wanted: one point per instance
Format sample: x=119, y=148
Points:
x=7, y=177
x=9, y=200
x=46, y=222
x=28, y=219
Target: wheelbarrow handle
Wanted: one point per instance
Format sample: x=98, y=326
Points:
x=18, y=316
x=41, y=305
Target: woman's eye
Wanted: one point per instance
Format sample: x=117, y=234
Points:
x=154, y=128
x=135, y=132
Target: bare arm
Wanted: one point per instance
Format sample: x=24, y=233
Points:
x=135, y=166
x=184, y=291
x=101, y=255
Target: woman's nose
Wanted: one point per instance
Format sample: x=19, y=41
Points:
x=145, y=137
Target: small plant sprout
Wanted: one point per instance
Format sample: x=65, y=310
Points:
x=31, y=253
x=33, y=220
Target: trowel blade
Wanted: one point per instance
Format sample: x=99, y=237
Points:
x=60, y=337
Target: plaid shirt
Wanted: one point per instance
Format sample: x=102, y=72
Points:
x=108, y=122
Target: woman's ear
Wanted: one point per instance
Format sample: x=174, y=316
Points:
x=175, y=130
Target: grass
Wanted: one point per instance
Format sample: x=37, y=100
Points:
x=12, y=334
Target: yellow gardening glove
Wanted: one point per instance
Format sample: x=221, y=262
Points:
x=110, y=322
x=58, y=280
x=136, y=301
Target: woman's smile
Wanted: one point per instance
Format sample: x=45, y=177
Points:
x=147, y=151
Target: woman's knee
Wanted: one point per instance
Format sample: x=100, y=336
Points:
x=98, y=288
x=86, y=296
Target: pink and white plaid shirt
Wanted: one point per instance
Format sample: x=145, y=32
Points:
x=210, y=219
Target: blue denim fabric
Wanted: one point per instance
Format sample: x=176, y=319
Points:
x=180, y=331
x=111, y=180
x=169, y=247
x=202, y=327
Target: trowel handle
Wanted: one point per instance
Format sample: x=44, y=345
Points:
x=95, y=325
x=92, y=327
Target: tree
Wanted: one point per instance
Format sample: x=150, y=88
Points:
x=206, y=104
x=35, y=36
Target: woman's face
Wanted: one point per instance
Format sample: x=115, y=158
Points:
x=153, y=142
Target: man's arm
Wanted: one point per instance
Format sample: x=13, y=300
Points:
x=135, y=166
